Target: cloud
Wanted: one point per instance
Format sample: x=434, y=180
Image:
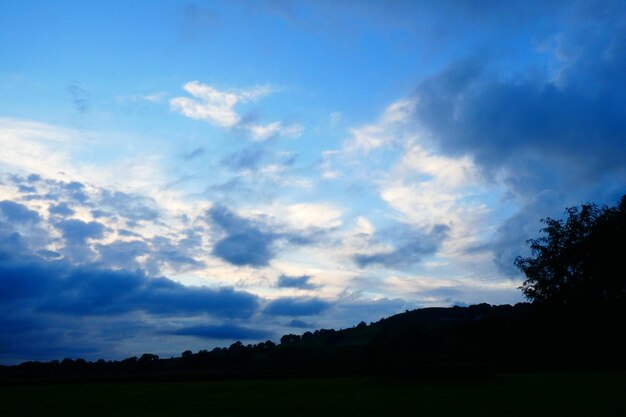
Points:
x=61, y=209
x=77, y=231
x=542, y=133
x=549, y=136
x=245, y=244
x=223, y=331
x=195, y=153
x=176, y=253
x=254, y=241
x=302, y=282
x=263, y=132
x=121, y=254
x=295, y=307
x=57, y=286
x=51, y=308
x=388, y=129
x=129, y=233
x=409, y=247
x=511, y=236
x=80, y=98
x=299, y=324
x=132, y=206
x=247, y=248
x=218, y=108
x=353, y=308
x=248, y=158
x=19, y=213
x=144, y=98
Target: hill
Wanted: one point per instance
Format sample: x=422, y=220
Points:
x=429, y=342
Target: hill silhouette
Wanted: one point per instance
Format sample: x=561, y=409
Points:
x=430, y=342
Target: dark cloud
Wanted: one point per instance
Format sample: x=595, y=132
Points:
x=178, y=253
x=560, y=132
x=26, y=188
x=46, y=302
x=92, y=289
x=224, y=331
x=349, y=308
x=168, y=297
x=62, y=209
x=299, y=324
x=302, y=282
x=73, y=186
x=294, y=307
x=132, y=207
x=75, y=190
x=248, y=158
x=32, y=178
x=248, y=248
x=252, y=242
x=49, y=254
x=100, y=213
x=127, y=233
x=25, y=339
x=554, y=134
x=77, y=231
x=410, y=246
x=245, y=244
x=18, y=213
x=122, y=254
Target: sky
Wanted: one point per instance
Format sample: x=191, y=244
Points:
x=180, y=175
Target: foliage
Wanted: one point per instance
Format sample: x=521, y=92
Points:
x=579, y=260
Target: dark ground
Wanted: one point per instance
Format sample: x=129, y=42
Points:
x=524, y=394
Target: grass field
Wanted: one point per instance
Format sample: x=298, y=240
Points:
x=591, y=394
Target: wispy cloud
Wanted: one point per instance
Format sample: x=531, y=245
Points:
x=218, y=108
x=80, y=98
x=145, y=98
x=263, y=132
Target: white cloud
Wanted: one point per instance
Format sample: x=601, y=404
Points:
x=218, y=108
x=33, y=147
x=212, y=105
x=388, y=130
x=424, y=189
x=149, y=98
x=299, y=216
x=263, y=132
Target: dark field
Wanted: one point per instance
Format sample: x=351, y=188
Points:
x=538, y=394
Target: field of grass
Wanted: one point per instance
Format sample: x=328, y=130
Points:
x=539, y=394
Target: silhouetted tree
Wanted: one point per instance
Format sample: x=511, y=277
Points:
x=580, y=259
x=236, y=347
x=148, y=358
x=289, y=338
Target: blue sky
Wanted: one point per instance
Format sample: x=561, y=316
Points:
x=181, y=175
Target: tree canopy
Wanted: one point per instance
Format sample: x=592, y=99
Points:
x=578, y=260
